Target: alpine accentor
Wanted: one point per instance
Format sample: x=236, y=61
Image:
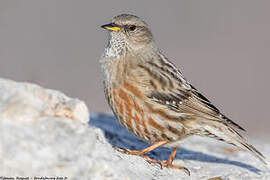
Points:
x=152, y=99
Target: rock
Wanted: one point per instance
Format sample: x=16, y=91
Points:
x=40, y=137
x=25, y=102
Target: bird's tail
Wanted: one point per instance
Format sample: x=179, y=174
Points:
x=223, y=132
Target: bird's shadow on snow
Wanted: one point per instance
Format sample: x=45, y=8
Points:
x=119, y=137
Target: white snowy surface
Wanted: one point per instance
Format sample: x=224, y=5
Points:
x=27, y=103
x=44, y=133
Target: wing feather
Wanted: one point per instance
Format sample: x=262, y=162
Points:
x=176, y=94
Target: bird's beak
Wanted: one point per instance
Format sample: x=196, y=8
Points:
x=111, y=27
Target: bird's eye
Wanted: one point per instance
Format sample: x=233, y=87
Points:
x=132, y=27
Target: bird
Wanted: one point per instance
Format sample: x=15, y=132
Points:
x=152, y=99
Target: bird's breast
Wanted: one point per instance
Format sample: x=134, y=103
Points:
x=136, y=114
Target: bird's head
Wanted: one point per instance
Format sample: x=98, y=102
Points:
x=130, y=31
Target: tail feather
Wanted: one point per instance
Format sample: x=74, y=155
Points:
x=254, y=151
x=225, y=133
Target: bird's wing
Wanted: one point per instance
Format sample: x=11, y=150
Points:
x=165, y=85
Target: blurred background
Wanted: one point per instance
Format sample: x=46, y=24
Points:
x=222, y=47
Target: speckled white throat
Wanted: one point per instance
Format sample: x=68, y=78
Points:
x=115, y=46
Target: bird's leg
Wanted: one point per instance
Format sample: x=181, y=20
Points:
x=142, y=152
x=167, y=163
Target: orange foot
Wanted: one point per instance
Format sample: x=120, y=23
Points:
x=167, y=163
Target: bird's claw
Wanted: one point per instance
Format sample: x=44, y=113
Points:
x=166, y=164
x=162, y=164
